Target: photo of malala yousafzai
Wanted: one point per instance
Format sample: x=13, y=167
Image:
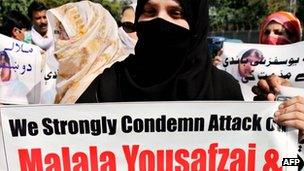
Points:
x=249, y=61
x=5, y=69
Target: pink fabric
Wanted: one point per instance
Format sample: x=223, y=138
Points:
x=287, y=19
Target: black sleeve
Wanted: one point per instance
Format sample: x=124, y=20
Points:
x=90, y=94
x=105, y=88
x=226, y=86
x=236, y=92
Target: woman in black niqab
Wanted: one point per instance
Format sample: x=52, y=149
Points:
x=170, y=63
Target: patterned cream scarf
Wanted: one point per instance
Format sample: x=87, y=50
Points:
x=91, y=44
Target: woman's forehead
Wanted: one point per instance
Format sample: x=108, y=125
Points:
x=274, y=24
x=128, y=15
x=165, y=2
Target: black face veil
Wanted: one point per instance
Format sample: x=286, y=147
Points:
x=192, y=77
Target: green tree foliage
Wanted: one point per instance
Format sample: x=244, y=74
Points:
x=300, y=12
x=19, y=5
x=224, y=14
x=114, y=6
x=242, y=14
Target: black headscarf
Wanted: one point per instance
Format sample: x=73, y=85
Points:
x=186, y=75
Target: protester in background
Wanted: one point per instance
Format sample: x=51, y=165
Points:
x=170, y=61
x=16, y=25
x=277, y=28
x=127, y=31
x=43, y=37
x=86, y=42
x=41, y=33
x=280, y=28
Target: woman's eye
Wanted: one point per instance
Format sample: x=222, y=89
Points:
x=176, y=14
x=278, y=32
x=149, y=12
x=267, y=32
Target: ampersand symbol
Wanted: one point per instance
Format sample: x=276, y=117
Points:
x=271, y=158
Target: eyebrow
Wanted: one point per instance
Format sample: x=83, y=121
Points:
x=178, y=3
x=151, y=3
x=155, y=4
x=176, y=8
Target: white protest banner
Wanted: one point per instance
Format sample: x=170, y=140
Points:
x=291, y=91
x=250, y=62
x=162, y=136
x=20, y=71
x=49, y=80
